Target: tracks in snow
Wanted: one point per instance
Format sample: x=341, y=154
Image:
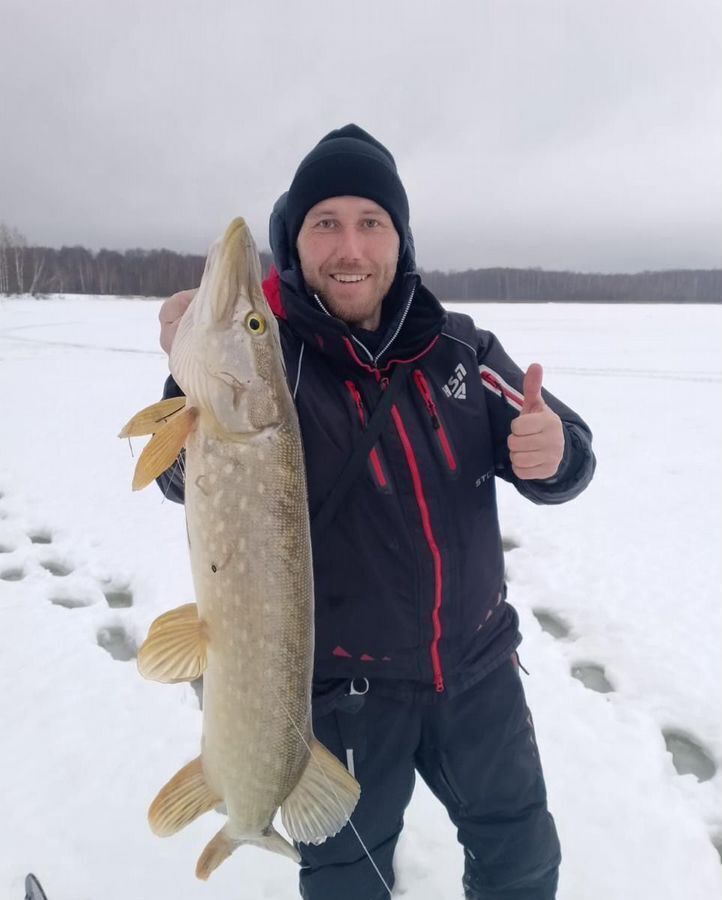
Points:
x=689, y=756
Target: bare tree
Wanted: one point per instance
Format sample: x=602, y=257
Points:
x=19, y=244
x=38, y=264
x=4, y=245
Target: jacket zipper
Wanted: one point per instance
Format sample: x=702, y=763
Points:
x=433, y=546
x=428, y=534
x=439, y=430
x=425, y=516
x=374, y=457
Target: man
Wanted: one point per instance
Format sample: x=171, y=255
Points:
x=415, y=666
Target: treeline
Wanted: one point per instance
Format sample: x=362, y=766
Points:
x=158, y=273
x=538, y=285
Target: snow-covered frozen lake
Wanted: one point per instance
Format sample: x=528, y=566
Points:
x=619, y=595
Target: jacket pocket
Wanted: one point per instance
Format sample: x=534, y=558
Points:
x=441, y=435
x=376, y=466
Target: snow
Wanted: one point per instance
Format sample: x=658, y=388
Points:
x=631, y=569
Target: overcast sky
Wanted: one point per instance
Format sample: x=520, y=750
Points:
x=581, y=134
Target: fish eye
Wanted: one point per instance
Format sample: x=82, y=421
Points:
x=255, y=323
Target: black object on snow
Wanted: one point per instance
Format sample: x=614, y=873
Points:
x=33, y=891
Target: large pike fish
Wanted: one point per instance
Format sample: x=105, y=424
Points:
x=250, y=634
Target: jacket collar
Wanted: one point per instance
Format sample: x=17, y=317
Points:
x=407, y=333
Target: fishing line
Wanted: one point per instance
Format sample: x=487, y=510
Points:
x=333, y=791
x=178, y=465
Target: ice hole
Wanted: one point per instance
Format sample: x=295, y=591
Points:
x=688, y=756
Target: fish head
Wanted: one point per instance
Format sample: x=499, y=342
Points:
x=226, y=356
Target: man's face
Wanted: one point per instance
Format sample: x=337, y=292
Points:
x=349, y=250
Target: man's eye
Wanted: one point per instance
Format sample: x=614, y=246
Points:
x=371, y=223
x=325, y=224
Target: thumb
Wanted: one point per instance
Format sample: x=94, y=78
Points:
x=533, y=401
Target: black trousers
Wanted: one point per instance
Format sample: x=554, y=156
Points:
x=478, y=754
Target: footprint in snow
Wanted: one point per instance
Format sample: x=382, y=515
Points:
x=118, y=597
x=12, y=575
x=115, y=640
x=40, y=537
x=552, y=624
x=58, y=569
x=717, y=844
x=71, y=602
x=688, y=755
x=593, y=677
x=508, y=543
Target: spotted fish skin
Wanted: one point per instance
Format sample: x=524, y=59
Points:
x=255, y=593
x=251, y=630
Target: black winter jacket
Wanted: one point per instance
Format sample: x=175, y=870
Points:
x=409, y=578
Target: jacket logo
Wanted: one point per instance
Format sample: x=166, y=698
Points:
x=455, y=386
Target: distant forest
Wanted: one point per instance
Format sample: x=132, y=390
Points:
x=159, y=273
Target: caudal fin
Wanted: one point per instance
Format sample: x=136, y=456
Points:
x=222, y=845
x=322, y=801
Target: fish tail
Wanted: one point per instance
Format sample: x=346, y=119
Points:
x=223, y=844
x=322, y=801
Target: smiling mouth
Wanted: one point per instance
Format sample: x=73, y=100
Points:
x=349, y=279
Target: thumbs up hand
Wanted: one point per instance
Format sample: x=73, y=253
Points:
x=536, y=442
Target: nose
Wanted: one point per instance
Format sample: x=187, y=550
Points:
x=349, y=243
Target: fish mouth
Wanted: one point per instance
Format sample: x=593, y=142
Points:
x=237, y=271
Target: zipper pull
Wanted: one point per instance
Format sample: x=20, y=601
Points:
x=357, y=400
x=428, y=399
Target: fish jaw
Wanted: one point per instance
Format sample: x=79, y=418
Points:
x=226, y=356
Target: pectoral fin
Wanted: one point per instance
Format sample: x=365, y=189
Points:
x=163, y=448
x=322, y=801
x=176, y=647
x=185, y=797
x=152, y=418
